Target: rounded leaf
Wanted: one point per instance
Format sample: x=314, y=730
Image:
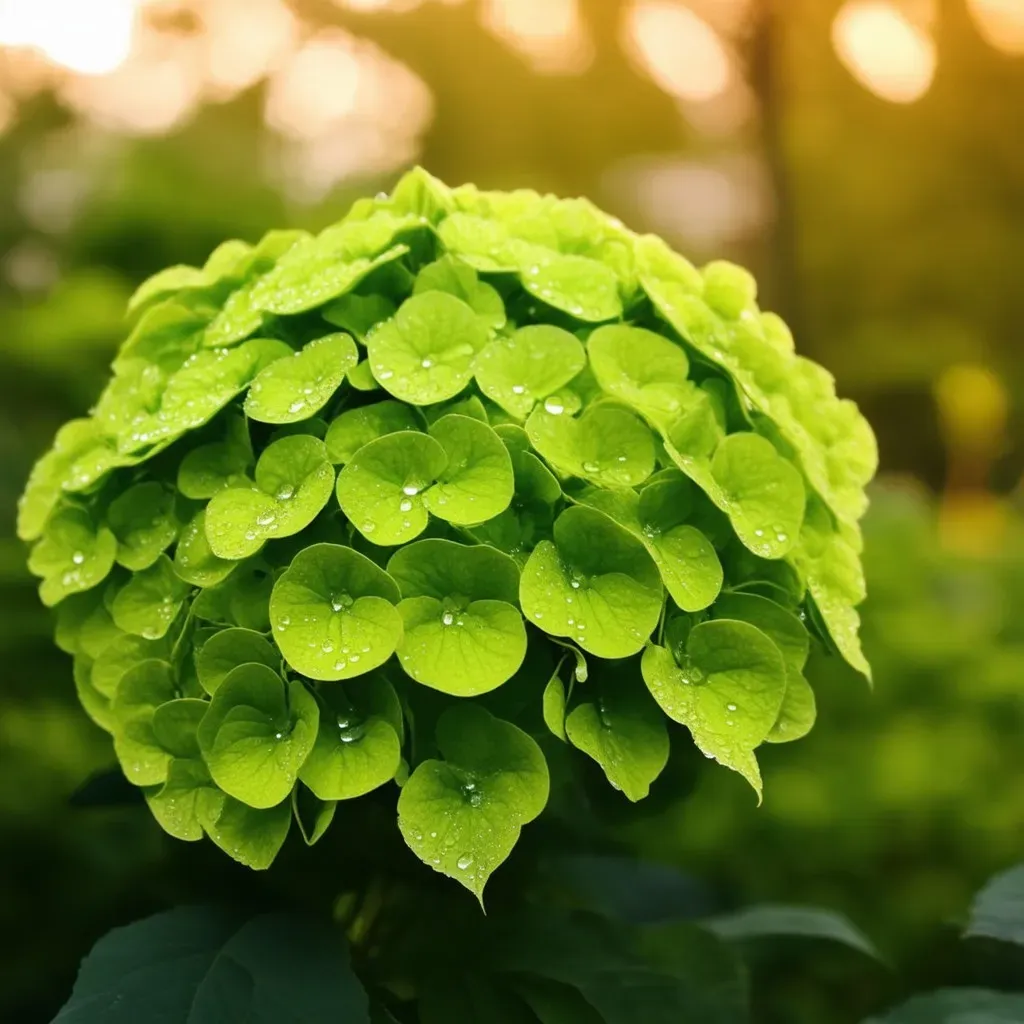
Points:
x=462, y=815
x=74, y=554
x=257, y=733
x=357, y=427
x=358, y=746
x=607, y=444
x=525, y=368
x=726, y=685
x=229, y=648
x=143, y=520
x=595, y=583
x=294, y=480
x=291, y=390
x=642, y=369
x=333, y=613
x=381, y=489
x=477, y=481
x=425, y=353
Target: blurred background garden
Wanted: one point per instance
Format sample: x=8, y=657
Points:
x=865, y=158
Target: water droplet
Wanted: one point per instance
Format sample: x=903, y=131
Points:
x=465, y=861
x=427, y=362
x=287, y=491
x=327, y=647
x=78, y=558
x=341, y=601
x=518, y=389
x=730, y=707
x=759, y=533
x=447, y=618
x=265, y=519
x=591, y=467
x=297, y=406
x=368, y=527
x=405, y=505
x=278, y=735
x=554, y=406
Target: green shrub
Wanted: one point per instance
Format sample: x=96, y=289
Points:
x=544, y=424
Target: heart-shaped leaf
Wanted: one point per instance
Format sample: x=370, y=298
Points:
x=425, y=353
x=582, y=287
x=334, y=614
x=294, y=480
x=642, y=369
x=526, y=367
x=595, y=583
x=357, y=427
x=623, y=730
x=726, y=686
x=149, y=602
x=462, y=634
x=760, y=491
x=462, y=815
x=607, y=445
x=257, y=733
x=477, y=481
x=143, y=520
x=194, y=561
x=142, y=689
x=454, y=277
x=381, y=488
x=211, y=467
x=291, y=390
x=250, y=836
x=317, y=270
x=206, y=382
x=74, y=554
x=229, y=648
x=358, y=746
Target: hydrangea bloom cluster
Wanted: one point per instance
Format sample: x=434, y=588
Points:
x=382, y=504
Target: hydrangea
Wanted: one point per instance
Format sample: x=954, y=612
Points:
x=379, y=505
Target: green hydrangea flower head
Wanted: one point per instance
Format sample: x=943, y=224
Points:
x=467, y=474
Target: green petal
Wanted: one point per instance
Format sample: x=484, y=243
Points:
x=333, y=612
